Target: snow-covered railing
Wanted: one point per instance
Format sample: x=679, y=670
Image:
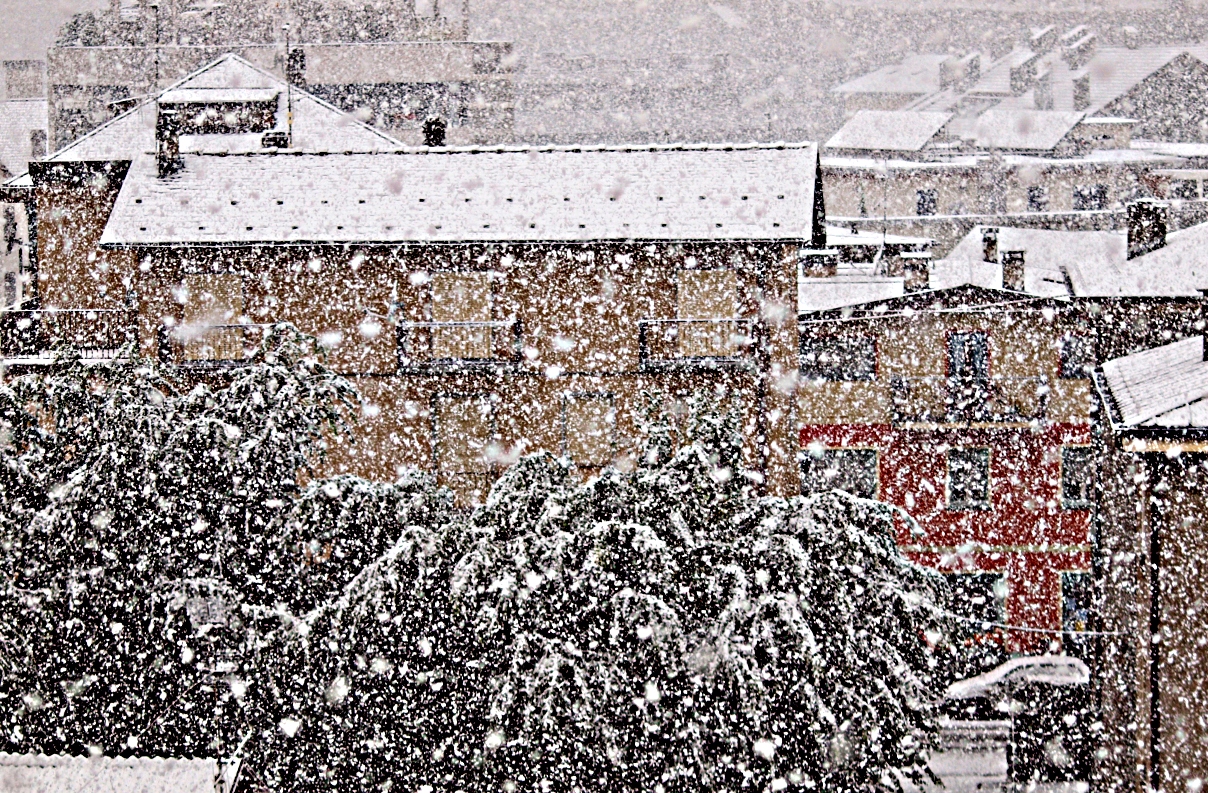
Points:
x=93, y=333
x=210, y=345
x=673, y=343
x=968, y=400
x=458, y=344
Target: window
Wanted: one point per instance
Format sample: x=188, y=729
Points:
x=1090, y=196
x=464, y=301
x=211, y=311
x=1184, y=188
x=463, y=428
x=979, y=596
x=708, y=299
x=37, y=143
x=1038, y=198
x=927, y=201
x=851, y=470
x=588, y=428
x=1077, y=357
x=968, y=356
x=839, y=358
x=969, y=479
x=1077, y=599
x=1077, y=476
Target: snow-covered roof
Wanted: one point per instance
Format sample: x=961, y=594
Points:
x=1114, y=71
x=1162, y=387
x=845, y=236
x=1023, y=130
x=916, y=74
x=19, y=118
x=888, y=130
x=996, y=80
x=706, y=192
x=318, y=126
x=1053, y=670
x=65, y=774
x=849, y=286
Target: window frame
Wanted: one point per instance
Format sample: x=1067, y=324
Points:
x=951, y=337
x=926, y=198
x=808, y=459
x=1099, y=194
x=968, y=506
x=1082, y=503
x=1064, y=370
x=1038, y=198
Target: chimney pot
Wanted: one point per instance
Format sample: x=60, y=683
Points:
x=1012, y=271
x=1146, y=226
x=434, y=131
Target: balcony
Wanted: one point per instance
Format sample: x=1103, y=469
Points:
x=211, y=346
x=96, y=334
x=696, y=343
x=968, y=400
x=458, y=345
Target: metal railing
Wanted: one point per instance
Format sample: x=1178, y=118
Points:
x=458, y=344
x=968, y=400
x=210, y=345
x=93, y=333
x=664, y=343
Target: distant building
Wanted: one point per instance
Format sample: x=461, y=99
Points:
x=57, y=773
x=392, y=66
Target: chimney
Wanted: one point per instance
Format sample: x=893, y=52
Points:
x=990, y=244
x=1146, y=226
x=1076, y=51
x=167, y=141
x=295, y=67
x=1012, y=270
x=916, y=267
x=1043, y=39
x=434, y=131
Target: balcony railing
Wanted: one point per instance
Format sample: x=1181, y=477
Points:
x=968, y=400
x=211, y=345
x=672, y=343
x=453, y=345
x=96, y=334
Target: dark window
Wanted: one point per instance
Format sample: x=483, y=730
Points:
x=1077, y=476
x=1038, y=198
x=969, y=479
x=1184, y=188
x=979, y=596
x=1090, y=196
x=1076, y=604
x=839, y=358
x=1077, y=357
x=968, y=356
x=928, y=201
x=850, y=470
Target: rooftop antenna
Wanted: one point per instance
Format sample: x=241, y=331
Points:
x=289, y=97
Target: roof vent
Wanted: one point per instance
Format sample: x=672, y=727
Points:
x=434, y=131
x=1146, y=226
x=1012, y=271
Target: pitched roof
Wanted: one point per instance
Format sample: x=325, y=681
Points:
x=1162, y=387
x=888, y=130
x=317, y=125
x=708, y=192
x=848, y=287
x=966, y=297
x=916, y=74
x=1023, y=130
x=18, y=119
x=59, y=773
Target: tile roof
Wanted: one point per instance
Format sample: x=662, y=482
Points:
x=713, y=192
x=888, y=130
x=916, y=74
x=1162, y=387
x=19, y=118
x=318, y=126
x=60, y=773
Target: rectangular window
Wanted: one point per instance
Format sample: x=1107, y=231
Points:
x=1184, y=188
x=1077, y=603
x=463, y=428
x=211, y=315
x=1090, y=196
x=588, y=428
x=1077, y=357
x=461, y=303
x=708, y=300
x=927, y=201
x=968, y=356
x=1038, y=198
x=969, y=478
x=979, y=596
x=851, y=470
x=1077, y=476
x=839, y=358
